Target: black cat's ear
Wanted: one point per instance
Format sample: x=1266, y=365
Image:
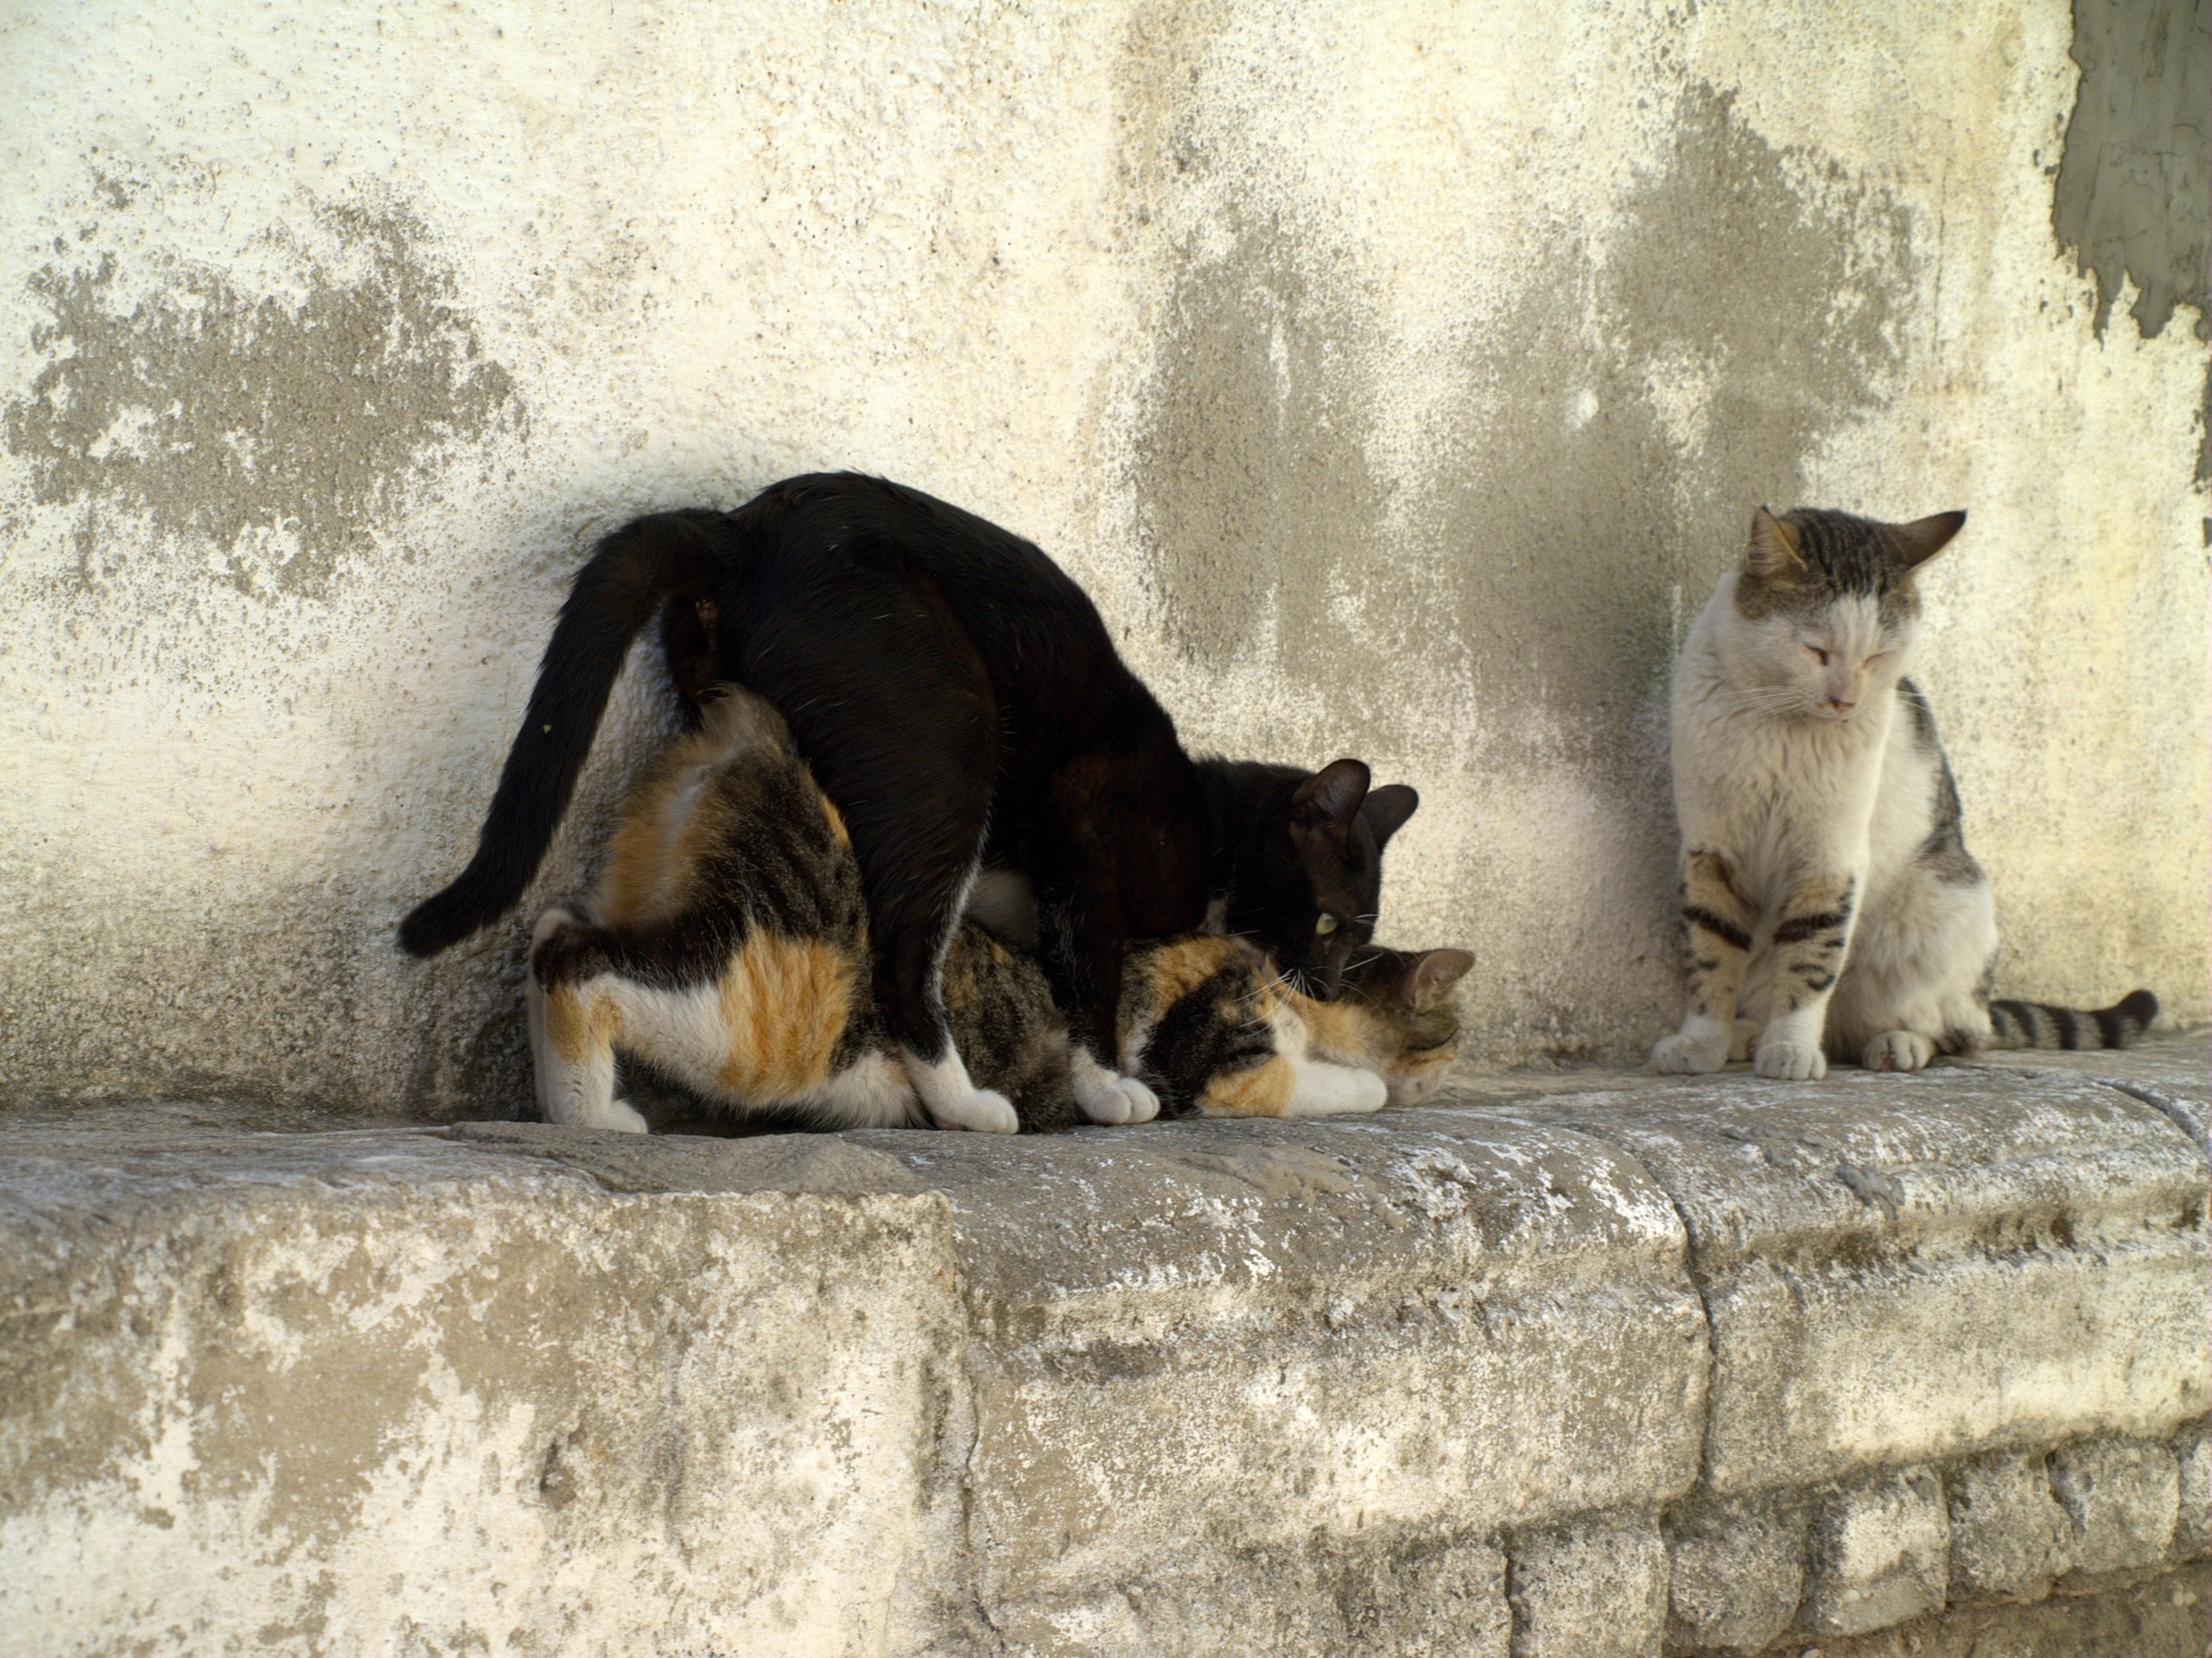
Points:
x=1922, y=539
x=1772, y=555
x=1330, y=796
x=1385, y=810
x=1433, y=972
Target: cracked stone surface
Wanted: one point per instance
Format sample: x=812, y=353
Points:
x=1272, y=1388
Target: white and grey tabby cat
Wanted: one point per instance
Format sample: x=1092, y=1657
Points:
x=1831, y=905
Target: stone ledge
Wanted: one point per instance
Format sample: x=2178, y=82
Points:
x=1588, y=1364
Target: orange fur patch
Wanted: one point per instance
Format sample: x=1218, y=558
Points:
x=1260, y=1091
x=1172, y=971
x=1340, y=1030
x=784, y=1003
x=579, y=1029
x=652, y=855
x=836, y=821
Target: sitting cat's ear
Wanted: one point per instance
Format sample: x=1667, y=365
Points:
x=1433, y=974
x=1772, y=553
x=1330, y=797
x=1922, y=539
x=1385, y=810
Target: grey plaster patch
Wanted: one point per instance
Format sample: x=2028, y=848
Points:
x=2133, y=199
x=1617, y=420
x=1253, y=474
x=1754, y=299
x=266, y=437
x=1620, y=421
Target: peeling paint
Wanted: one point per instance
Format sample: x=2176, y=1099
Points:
x=2133, y=201
x=1395, y=377
x=262, y=437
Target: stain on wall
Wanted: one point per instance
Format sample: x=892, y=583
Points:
x=1619, y=418
x=2134, y=194
x=268, y=434
x=1397, y=378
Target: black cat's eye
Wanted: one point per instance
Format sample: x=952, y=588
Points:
x=1326, y=924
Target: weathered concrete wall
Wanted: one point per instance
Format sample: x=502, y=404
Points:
x=1398, y=379
x=1592, y=1367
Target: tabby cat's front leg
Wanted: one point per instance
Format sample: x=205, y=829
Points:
x=1718, y=923
x=1809, y=944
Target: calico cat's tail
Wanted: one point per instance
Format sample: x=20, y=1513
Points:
x=627, y=577
x=2039, y=1025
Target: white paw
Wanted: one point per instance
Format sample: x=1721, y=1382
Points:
x=1791, y=1062
x=1144, y=1104
x=1368, y=1092
x=548, y=923
x=1111, y=1100
x=979, y=1110
x=1899, y=1051
x=1687, y=1056
x=618, y=1114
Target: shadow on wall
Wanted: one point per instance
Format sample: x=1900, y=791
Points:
x=1612, y=429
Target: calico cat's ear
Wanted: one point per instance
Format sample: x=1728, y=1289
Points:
x=1772, y=553
x=1922, y=539
x=1385, y=810
x=1433, y=973
x=1330, y=796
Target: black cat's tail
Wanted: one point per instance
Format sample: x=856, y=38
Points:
x=2039, y=1025
x=627, y=577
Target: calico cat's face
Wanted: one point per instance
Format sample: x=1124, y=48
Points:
x=1825, y=609
x=1311, y=901
x=1408, y=1016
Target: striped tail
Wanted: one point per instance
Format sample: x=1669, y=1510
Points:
x=2039, y=1025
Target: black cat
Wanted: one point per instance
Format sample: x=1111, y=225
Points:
x=958, y=698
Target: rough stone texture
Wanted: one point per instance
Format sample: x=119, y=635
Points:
x=2163, y=1618
x=1592, y=1591
x=1419, y=1382
x=2011, y=1537
x=2123, y=1498
x=1894, y=1274
x=2169, y=1076
x=1879, y=1553
x=1736, y=1575
x=1390, y=1330
x=2193, y=1517
x=1384, y=404
x=307, y=1392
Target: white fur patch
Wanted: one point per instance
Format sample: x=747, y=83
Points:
x=1763, y=779
x=1326, y=1089
x=1108, y=1099
x=953, y=1100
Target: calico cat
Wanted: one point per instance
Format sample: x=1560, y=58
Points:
x=1831, y=906
x=958, y=697
x=727, y=945
x=1214, y=1030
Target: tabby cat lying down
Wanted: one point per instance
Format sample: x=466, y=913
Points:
x=726, y=946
